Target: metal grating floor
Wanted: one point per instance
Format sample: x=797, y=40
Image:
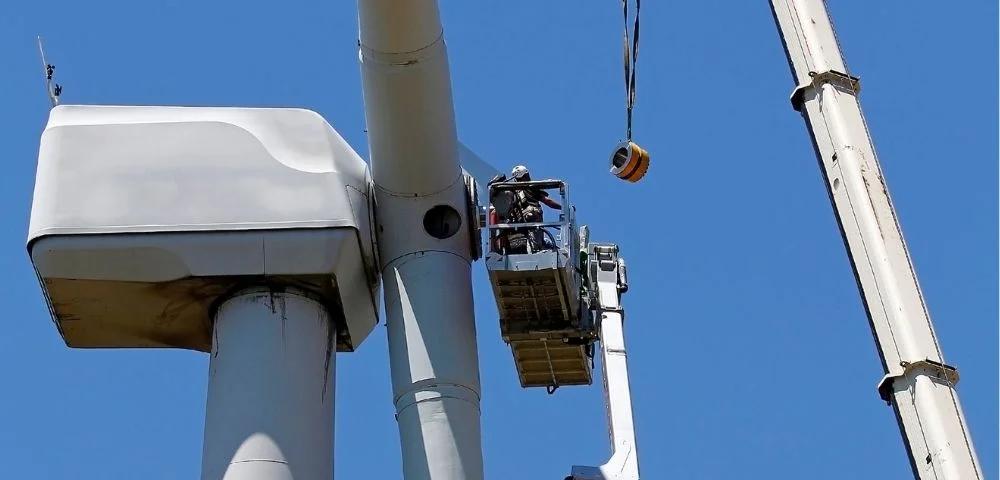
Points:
x=537, y=316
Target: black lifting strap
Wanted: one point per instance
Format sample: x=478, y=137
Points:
x=630, y=64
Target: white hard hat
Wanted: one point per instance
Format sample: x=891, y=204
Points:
x=519, y=171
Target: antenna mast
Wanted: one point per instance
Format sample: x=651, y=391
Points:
x=52, y=90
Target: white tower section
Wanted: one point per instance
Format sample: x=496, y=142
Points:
x=241, y=232
x=423, y=224
x=918, y=383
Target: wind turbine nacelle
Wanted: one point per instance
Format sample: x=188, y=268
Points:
x=145, y=218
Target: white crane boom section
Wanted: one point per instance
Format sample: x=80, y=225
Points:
x=918, y=383
x=607, y=273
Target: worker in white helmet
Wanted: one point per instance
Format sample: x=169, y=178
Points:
x=529, y=202
x=531, y=198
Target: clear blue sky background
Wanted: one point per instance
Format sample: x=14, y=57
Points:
x=750, y=353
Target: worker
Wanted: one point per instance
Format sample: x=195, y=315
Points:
x=529, y=202
x=529, y=198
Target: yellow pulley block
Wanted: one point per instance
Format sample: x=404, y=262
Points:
x=629, y=162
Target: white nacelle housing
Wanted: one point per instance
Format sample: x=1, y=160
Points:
x=144, y=218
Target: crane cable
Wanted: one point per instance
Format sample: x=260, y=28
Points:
x=630, y=65
x=629, y=161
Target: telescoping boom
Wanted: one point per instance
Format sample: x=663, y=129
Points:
x=918, y=383
x=607, y=282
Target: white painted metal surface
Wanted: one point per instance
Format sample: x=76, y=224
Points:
x=479, y=169
x=142, y=215
x=428, y=285
x=116, y=169
x=434, y=366
x=607, y=272
x=918, y=383
x=270, y=407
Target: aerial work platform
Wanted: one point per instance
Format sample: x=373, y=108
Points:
x=537, y=281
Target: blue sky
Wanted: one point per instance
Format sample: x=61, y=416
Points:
x=749, y=348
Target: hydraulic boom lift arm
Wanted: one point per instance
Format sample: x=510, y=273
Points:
x=606, y=283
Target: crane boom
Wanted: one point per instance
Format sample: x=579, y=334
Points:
x=607, y=282
x=918, y=383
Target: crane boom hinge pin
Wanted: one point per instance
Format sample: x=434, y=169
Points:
x=838, y=79
x=937, y=370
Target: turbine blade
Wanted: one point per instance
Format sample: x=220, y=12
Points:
x=476, y=167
